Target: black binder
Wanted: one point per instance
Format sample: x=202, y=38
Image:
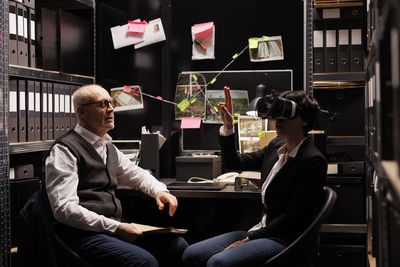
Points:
x=62, y=120
x=50, y=111
x=352, y=13
x=38, y=126
x=318, y=50
x=32, y=38
x=21, y=111
x=30, y=103
x=356, y=53
x=73, y=114
x=47, y=57
x=13, y=111
x=22, y=38
x=44, y=112
x=330, y=47
x=56, y=110
x=343, y=48
x=12, y=23
x=67, y=107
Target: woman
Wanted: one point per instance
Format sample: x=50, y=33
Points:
x=293, y=173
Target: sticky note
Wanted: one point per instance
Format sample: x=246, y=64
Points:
x=213, y=80
x=265, y=38
x=188, y=91
x=212, y=111
x=198, y=86
x=183, y=104
x=194, y=76
x=262, y=134
x=193, y=100
x=253, y=43
x=185, y=90
x=216, y=109
x=127, y=89
x=236, y=114
x=135, y=94
x=135, y=88
x=136, y=27
x=203, y=28
x=190, y=122
x=235, y=56
x=159, y=97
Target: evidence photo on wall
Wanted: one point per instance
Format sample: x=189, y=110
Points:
x=128, y=97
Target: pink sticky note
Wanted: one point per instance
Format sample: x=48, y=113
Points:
x=198, y=86
x=190, y=122
x=212, y=111
x=203, y=28
x=136, y=26
x=135, y=88
x=188, y=91
x=159, y=97
x=127, y=89
x=135, y=94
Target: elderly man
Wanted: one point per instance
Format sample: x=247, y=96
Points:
x=82, y=171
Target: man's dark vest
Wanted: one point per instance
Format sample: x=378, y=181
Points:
x=97, y=182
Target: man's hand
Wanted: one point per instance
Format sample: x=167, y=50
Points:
x=226, y=110
x=127, y=232
x=237, y=243
x=163, y=197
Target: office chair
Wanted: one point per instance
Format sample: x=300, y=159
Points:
x=302, y=251
x=41, y=245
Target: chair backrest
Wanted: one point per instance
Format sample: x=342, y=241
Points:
x=324, y=211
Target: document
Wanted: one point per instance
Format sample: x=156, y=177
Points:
x=148, y=229
x=122, y=38
x=154, y=33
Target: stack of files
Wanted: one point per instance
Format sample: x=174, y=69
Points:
x=337, y=84
x=330, y=3
x=337, y=40
x=22, y=33
x=36, y=108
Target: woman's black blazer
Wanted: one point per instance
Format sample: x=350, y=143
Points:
x=293, y=196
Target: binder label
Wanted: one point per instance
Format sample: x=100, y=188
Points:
x=20, y=25
x=33, y=33
x=21, y=100
x=356, y=36
x=56, y=103
x=12, y=23
x=343, y=37
x=331, y=13
x=13, y=101
x=31, y=103
x=26, y=28
x=331, y=38
x=67, y=104
x=37, y=102
x=44, y=102
x=50, y=102
x=319, y=39
x=62, y=109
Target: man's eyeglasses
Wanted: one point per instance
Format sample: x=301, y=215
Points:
x=104, y=104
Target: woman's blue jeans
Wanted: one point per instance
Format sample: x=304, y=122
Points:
x=211, y=252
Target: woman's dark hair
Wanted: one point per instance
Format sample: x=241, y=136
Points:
x=309, y=106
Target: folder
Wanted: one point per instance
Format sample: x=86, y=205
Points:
x=12, y=20
x=32, y=38
x=38, y=126
x=67, y=93
x=356, y=53
x=29, y=3
x=352, y=13
x=318, y=49
x=62, y=120
x=13, y=111
x=43, y=112
x=343, y=49
x=30, y=111
x=50, y=111
x=22, y=47
x=73, y=115
x=21, y=111
x=46, y=50
x=330, y=47
x=56, y=110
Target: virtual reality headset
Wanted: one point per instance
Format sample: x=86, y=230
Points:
x=276, y=107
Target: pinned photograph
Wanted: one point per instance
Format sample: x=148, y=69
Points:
x=128, y=97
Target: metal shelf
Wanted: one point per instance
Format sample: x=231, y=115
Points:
x=28, y=147
x=68, y=4
x=344, y=228
x=346, y=140
x=54, y=76
x=339, y=76
x=334, y=4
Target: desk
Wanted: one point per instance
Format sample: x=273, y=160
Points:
x=205, y=213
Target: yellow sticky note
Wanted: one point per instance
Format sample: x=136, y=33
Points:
x=215, y=108
x=235, y=55
x=183, y=104
x=236, y=114
x=253, y=43
x=193, y=100
x=213, y=80
x=194, y=76
x=185, y=90
x=265, y=38
x=235, y=121
x=262, y=134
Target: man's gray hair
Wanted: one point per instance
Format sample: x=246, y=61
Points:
x=80, y=96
